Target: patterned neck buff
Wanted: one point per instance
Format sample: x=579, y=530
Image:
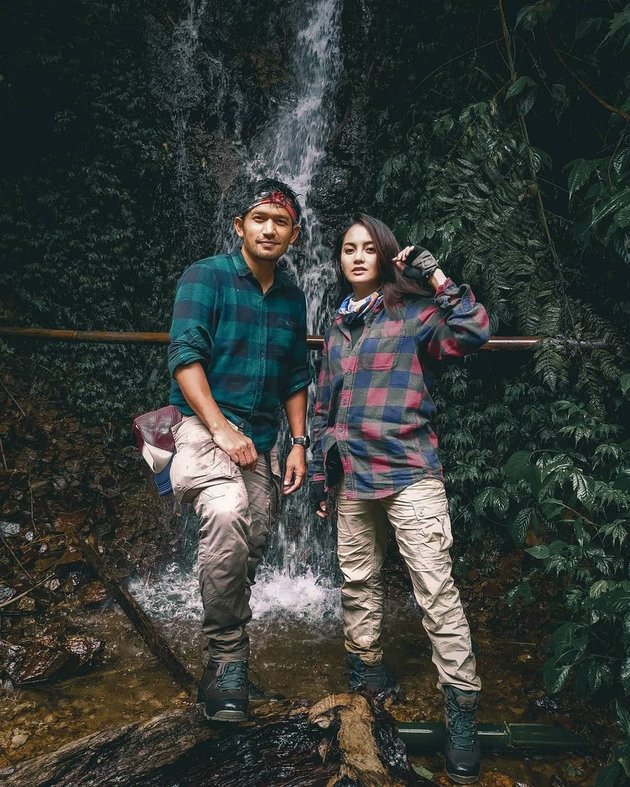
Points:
x=353, y=312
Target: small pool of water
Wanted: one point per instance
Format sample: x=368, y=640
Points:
x=297, y=651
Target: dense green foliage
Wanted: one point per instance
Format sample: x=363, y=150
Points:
x=506, y=152
x=524, y=190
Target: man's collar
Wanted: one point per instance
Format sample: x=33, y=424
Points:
x=243, y=270
x=239, y=262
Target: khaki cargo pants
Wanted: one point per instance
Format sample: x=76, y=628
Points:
x=420, y=520
x=236, y=510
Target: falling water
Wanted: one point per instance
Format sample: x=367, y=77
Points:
x=292, y=148
x=300, y=557
x=293, y=143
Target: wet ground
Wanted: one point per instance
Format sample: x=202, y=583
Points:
x=297, y=651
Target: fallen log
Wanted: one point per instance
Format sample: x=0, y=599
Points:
x=156, y=643
x=359, y=751
x=342, y=740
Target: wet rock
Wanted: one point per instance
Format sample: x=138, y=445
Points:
x=59, y=482
x=19, y=739
x=41, y=488
x=547, y=704
x=6, y=593
x=27, y=604
x=9, y=528
x=52, y=584
x=92, y=594
x=48, y=657
x=69, y=562
x=7, y=686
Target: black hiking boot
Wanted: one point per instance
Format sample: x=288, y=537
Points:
x=463, y=753
x=255, y=691
x=224, y=691
x=374, y=679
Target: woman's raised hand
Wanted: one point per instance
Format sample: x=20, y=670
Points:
x=420, y=265
x=399, y=259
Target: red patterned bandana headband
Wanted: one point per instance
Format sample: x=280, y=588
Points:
x=275, y=198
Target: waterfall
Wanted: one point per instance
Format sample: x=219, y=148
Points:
x=289, y=146
x=293, y=143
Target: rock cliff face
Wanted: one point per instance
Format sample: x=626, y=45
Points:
x=223, y=76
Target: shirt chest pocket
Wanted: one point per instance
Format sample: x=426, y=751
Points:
x=282, y=335
x=381, y=351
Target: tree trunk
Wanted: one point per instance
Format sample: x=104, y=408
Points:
x=282, y=746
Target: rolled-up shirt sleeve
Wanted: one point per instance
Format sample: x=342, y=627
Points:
x=191, y=337
x=298, y=374
x=458, y=324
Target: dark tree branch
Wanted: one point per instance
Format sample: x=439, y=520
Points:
x=602, y=101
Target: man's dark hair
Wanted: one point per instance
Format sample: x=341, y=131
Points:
x=252, y=193
x=394, y=285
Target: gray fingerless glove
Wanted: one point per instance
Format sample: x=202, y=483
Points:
x=420, y=265
x=316, y=493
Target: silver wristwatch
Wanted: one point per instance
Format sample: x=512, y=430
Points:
x=303, y=440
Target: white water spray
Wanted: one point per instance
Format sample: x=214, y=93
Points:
x=290, y=147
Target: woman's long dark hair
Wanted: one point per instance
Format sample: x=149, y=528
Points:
x=395, y=286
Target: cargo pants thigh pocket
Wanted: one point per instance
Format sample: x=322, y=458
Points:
x=198, y=461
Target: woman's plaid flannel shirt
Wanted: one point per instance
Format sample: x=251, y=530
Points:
x=374, y=400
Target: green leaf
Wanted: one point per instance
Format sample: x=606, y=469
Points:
x=623, y=719
x=599, y=675
x=530, y=15
x=584, y=488
x=625, y=674
x=579, y=175
x=622, y=217
x=586, y=26
x=526, y=102
x=617, y=202
x=519, y=467
x=492, y=497
x=620, y=159
x=443, y=126
x=473, y=111
x=542, y=159
x=625, y=384
x=539, y=551
x=421, y=771
x=555, y=677
x=521, y=84
x=527, y=16
x=597, y=588
x=619, y=21
x=615, y=602
x=519, y=526
x=522, y=592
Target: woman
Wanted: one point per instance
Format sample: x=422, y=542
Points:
x=373, y=440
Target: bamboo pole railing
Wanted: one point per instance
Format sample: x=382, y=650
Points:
x=496, y=343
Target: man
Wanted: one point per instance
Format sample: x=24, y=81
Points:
x=238, y=350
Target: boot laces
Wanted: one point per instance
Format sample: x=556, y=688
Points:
x=461, y=724
x=232, y=676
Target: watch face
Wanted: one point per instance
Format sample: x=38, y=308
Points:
x=305, y=441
